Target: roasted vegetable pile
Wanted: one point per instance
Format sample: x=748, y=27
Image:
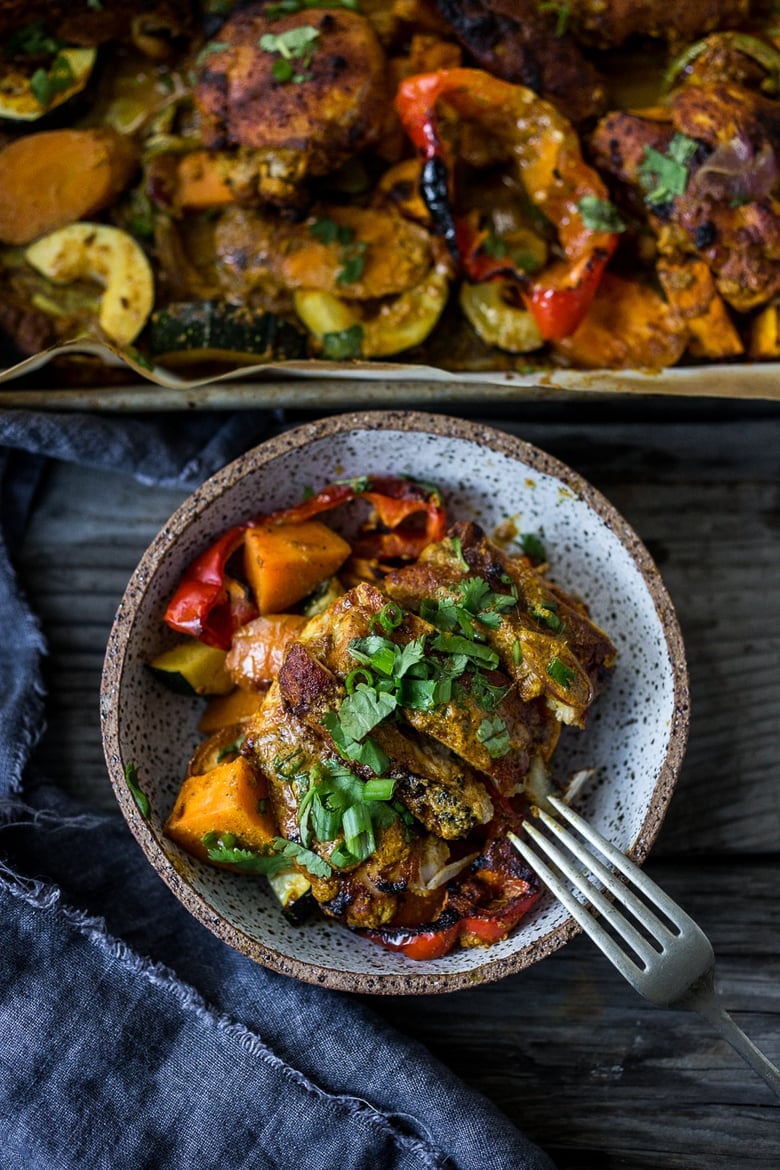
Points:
x=383, y=709
x=483, y=185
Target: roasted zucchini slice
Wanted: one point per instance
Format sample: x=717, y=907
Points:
x=29, y=94
x=193, y=668
x=293, y=892
x=215, y=331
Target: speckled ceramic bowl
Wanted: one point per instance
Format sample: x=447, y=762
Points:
x=634, y=741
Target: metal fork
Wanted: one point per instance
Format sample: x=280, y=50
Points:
x=667, y=957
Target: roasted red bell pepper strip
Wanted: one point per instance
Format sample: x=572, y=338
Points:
x=395, y=500
x=545, y=149
x=204, y=605
x=209, y=605
x=479, y=911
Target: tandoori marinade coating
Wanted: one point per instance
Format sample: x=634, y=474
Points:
x=413, y=719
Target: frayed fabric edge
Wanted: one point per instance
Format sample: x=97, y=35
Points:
x=46, y=897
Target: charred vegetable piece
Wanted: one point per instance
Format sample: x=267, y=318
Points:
x=481, y=910
x=192, y=668
x=216, y=331
x=211, y=605
x=227, y=710
x=111, y=258
x=293, y=892
x=544, y=148
x=259, y=647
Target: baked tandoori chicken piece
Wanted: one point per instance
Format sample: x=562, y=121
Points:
x=303, y=92
x=519, y=41
x=445, y=795
x=703, y=170
x=473, y=696
x=610, y=23
x=536, y=624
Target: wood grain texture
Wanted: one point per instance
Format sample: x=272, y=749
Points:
x=581, y=1063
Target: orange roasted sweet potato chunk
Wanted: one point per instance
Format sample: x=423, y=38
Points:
x=285, y=562
x=230, y=798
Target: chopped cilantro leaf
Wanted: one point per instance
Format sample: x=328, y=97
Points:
x=533, y=547
x=560, y=673
x=562, y=14
x=599, y=215
x=545, y=612
x=663, y=176
x=138, y=795
x=222, y=848
x=495, y=737
x=348, y=343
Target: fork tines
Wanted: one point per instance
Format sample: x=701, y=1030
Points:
x=656, y=935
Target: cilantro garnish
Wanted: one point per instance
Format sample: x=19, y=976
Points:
x=353, y=254
x=364, y=752
x=46, y=84
x=493, y=245
x=295, y=45
x=562, y=14
x=665, y=175
x=561, y=673
x=533, y=548
x=599, y=215
x=348, y=343
x=289, y=7
x=33, y=40
x=310, y=861
x=353, y=262
x=339, y=806
x=545, y=612
x=209, y=48
x=492, y=733
x=230, y=749
x=329, y=232
x=473, y=601
x=139, y=796
x=223, y=848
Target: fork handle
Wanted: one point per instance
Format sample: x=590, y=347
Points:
x=701, y=998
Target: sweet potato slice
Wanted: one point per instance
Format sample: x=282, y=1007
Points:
x=228, y=799
x=227, y=710
x=57, y=177
x=286, y=562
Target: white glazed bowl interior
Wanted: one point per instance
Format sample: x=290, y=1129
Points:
x=634, y=741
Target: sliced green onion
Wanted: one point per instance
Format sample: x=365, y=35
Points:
x=390, y=616
x=380, y=788
x=358, y=675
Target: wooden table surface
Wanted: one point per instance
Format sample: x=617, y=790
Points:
x=576, y=1058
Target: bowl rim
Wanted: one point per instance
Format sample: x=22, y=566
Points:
x=416, y=981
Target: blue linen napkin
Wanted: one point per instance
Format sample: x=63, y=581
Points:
x=132, y=1036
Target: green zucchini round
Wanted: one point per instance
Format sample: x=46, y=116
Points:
x=217, y=331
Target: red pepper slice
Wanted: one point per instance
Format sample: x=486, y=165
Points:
x=480, y=910
x=203, y=605
x=209, y=606
x=559, y=309
x=395, y=500
x=546, y=152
